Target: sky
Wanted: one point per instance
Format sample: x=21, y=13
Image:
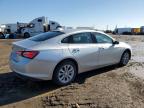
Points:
x=97, y=13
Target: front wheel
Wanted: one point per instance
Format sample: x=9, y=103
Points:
x=26, y=35
x=125, y=58
x=64, y=73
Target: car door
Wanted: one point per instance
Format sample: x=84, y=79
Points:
x=82, y=47
x=109, y=53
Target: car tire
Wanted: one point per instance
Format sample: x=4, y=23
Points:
x=64, y=73
x=11, y=36
x=125, y=58
x=26, y=35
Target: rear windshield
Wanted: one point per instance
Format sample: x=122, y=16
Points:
x=46, y=36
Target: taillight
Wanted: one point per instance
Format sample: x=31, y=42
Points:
x=28, y=54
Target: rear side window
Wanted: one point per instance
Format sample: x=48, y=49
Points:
x=66, y=40
x=46, y=36
x=78, y=38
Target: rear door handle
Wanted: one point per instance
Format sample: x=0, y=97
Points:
x=75, y=50
x=102, y=48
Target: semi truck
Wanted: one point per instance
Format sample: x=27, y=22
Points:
x=34, y=27
x=37, y=26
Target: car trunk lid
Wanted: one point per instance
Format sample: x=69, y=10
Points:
x=23, y=45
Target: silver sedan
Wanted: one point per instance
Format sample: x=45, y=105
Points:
x=61, y=55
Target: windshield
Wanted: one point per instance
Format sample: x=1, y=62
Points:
x=46, y=36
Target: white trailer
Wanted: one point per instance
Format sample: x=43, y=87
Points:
x=142, y=29
x=8, y=28
x=39, y=25
x=85, y=28
x=67, y=28
x=123, y=30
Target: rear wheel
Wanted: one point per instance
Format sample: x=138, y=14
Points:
x=64, y=73
x=125, y=58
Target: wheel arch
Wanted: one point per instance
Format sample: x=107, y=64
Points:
x=67, y=59
x=128, y=51
x=26, y=33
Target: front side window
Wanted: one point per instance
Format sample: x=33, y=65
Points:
x=101, y=38
x=39, y=20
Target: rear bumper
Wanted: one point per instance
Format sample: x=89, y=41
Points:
x=32, y=69
x=31, y=76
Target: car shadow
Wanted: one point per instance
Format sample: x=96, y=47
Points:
x=80, y=79
x=14, y=89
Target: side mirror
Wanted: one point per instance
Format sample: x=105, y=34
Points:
x=116, y=42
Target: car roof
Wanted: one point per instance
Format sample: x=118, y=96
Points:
x=69, y=31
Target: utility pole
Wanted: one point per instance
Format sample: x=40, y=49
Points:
x=107, y=27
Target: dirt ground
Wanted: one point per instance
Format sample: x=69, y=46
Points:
x=110, y=87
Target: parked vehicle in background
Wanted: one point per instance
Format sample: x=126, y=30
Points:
x=39, y=25
x=7, y=36
x=129, y=31
x=85, y=28
x=61, y=55
x=8, y=28
x=142, y=30
x=34, y=27
x=136, y=31
x=2, y=28
x=123, y=31
x=2, y=35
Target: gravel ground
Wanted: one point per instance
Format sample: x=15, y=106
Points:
x=110, y=87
